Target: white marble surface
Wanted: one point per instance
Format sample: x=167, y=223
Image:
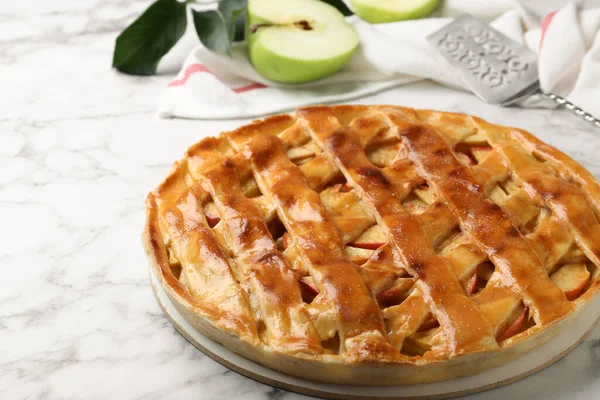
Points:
x=80, y=147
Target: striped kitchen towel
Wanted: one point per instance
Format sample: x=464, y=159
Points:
x=214, y=86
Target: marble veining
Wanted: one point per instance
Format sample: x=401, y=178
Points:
x=80, y=146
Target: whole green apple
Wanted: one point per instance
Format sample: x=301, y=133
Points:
x=379, y=11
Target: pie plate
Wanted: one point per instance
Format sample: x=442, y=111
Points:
x=580, y=326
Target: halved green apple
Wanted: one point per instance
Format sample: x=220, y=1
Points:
x=379, y=11
x=295, y=41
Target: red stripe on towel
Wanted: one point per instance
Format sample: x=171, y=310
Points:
x=190, y=70
x=249, y=87
x=544, y=26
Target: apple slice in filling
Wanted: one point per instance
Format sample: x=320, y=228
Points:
x=571, y=279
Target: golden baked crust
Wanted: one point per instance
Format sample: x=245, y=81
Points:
x=376, y=245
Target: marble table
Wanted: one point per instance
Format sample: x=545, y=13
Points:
x=80, y=146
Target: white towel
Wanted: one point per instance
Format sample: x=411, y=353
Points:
x=214, y=86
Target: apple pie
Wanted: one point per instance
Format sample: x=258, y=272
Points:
x=376, y=245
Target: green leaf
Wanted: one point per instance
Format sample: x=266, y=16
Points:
x=340, y=5
x=240, y=24
x=140, y=47
x=217, y=28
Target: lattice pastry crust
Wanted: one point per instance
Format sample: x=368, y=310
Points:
x=376, y=245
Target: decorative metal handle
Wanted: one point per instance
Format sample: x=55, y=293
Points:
x=570, y=106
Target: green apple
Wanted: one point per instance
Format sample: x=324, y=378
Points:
x=295, y=41
x=379, y=11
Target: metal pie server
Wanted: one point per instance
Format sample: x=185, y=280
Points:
x=496, y=68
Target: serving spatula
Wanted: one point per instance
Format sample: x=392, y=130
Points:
x=496, y=68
